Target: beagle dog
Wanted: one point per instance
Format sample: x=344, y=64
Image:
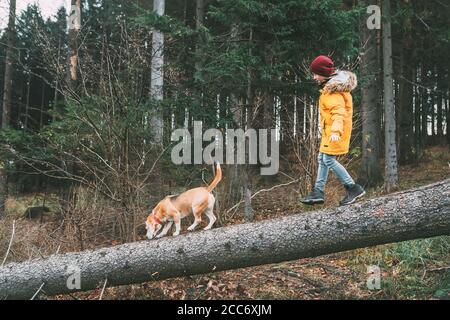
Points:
x=173, y=208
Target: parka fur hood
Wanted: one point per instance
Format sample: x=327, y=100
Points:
x=342, y=81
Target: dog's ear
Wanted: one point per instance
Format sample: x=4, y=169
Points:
x=158, y=207
x=162, y=210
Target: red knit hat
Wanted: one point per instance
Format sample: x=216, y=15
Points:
x=323, y=66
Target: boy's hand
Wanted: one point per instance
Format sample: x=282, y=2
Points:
x=335, y=137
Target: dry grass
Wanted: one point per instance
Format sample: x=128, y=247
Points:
x=85, y=221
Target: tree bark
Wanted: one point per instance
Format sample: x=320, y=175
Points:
x=370, y=172
x=432, y=114
x=391, y=180
x=417, y=112
x=7, y=87
x=199, y=13
x=447, y=108
x=199, y=20
x=407, y=154
x=157, y=74
x=424, y=107
x=238, y=184
x=7, y=96
x=74, y=25
x=418, y=213
x=439, y=116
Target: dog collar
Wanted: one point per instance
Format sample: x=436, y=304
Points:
x=157, y=220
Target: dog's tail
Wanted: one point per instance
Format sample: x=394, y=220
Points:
x=217, y=177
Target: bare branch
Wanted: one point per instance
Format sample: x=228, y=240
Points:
x=10, y=242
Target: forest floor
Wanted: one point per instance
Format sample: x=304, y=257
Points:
x=418, y=269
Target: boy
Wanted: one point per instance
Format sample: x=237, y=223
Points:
x=336, y=110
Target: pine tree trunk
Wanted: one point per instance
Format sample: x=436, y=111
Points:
x=56, y=93
x=447, y=107
x=433, y=115
x=391, y=180
x=370, y=172
x=238, y=184
x=27, y=102
x=199, y=19
x=407, y=154
x=7, y=96
x=157, y=74
x=199, y=13
x=439, y=116
x=7, y=88
x=74, y=24
x=417, y=125
x=424, y=118
x=299, y=114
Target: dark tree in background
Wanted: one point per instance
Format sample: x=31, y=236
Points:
x=390, y=144
x=370, y=172
x=7, y=93
x=74, y=26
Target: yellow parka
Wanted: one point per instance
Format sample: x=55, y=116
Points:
x=336, y=111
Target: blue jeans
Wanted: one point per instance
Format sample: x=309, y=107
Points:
x=327, y=162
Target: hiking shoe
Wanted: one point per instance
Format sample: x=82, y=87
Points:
x=314, y=197
x=354, y=192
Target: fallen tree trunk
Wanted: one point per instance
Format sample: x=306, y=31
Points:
x=417, y=213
